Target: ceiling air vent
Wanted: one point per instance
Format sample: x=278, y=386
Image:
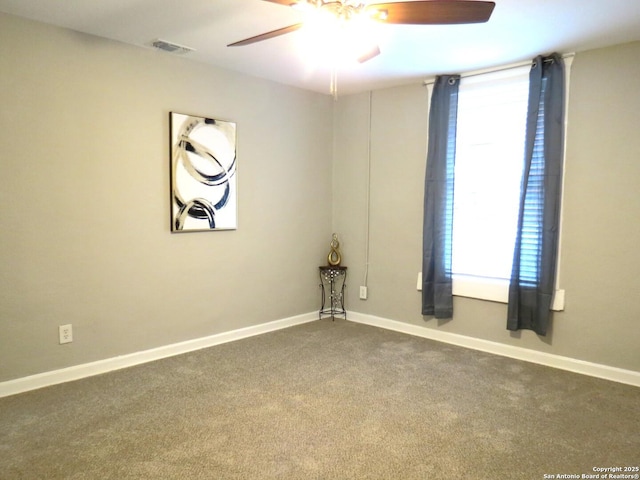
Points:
x=171, y=47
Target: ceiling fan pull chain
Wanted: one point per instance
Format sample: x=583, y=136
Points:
x=333, y=85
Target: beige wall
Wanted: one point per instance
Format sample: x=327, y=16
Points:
x=601, y=236
x=84, y=189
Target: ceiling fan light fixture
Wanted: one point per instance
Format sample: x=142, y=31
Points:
x=333, y=40
x=379, y=15
x=303, y=6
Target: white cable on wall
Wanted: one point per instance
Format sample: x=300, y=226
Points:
x=368, y=197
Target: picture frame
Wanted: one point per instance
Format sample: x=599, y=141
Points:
x=203, y=173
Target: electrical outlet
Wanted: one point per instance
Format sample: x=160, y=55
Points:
x=66, y=333
x=363, y=293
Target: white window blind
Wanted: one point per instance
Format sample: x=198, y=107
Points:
x=492, y=111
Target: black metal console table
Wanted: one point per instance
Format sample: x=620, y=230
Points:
x=332, y=283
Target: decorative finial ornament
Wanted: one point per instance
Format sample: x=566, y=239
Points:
x=334, y=258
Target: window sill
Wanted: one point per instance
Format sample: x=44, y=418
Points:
x=491, y=289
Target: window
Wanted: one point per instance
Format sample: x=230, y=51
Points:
x=492, y=111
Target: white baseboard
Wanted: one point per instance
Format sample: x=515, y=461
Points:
x=620, y=375
x=77, y=372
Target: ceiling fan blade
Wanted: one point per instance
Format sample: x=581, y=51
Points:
x=432, y=12
x=266, y=36
x=368, y=55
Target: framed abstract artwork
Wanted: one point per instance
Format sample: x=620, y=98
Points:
x=203, y=174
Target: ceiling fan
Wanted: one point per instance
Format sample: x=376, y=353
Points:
x=425, y=12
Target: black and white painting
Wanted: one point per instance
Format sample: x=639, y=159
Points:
x=203, y=174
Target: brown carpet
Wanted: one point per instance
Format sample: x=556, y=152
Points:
x=324, y=400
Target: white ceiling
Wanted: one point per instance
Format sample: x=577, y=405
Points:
x=518, y=30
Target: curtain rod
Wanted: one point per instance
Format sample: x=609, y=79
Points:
x=511, y=66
